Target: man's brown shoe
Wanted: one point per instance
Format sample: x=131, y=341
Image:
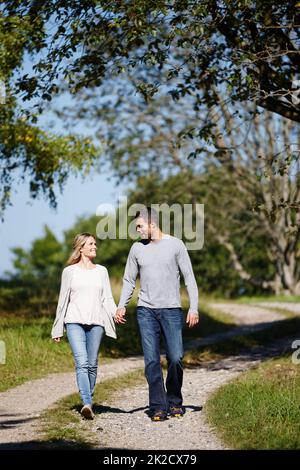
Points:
x=176, y=411
x=159, y=416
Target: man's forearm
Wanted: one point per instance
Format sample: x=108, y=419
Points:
x=186, y=268
x=193, y=293
x=127, y=290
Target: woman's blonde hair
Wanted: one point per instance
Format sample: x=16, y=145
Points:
x=78, y=243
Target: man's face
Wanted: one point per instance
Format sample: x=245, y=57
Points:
x=143, y=228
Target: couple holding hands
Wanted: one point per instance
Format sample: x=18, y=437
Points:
x=87, y=310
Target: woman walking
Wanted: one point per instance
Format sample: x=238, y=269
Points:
x=86, y=309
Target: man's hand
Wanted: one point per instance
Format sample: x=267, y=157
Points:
x=56, y=340
x=192, y=319
x=120, y=315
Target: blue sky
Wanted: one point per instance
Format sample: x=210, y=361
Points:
x=24, y=221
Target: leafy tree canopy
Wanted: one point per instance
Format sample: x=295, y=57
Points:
x=249, y=46
x=28, y=152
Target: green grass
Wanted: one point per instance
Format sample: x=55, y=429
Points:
x=261, y=409
x=63, y=426
x=30, y=352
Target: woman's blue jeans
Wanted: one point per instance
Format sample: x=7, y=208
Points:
x=168, y=323
x=85, y=342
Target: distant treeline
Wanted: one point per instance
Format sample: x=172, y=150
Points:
x=33, y=287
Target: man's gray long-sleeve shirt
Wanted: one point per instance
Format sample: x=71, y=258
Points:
x=158, y=264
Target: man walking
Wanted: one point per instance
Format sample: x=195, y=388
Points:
x=157, y=258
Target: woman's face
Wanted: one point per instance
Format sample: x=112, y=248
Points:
x=89, y=249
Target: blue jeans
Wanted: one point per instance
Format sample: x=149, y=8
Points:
x=85, y=342
x=168, y=322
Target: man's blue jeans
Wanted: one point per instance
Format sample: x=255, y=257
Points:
x=85, y=342
x=168, y=323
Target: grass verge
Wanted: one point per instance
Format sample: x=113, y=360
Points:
x=261, y=409
x=30, y=353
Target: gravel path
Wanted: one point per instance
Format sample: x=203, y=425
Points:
x=20, y=407
x=292, y=307
x=247, y=314
x=248, y=318
x=126, y=425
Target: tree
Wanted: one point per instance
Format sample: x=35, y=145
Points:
x=28, y=152
x=250, y=47
x=186, y=48
x=268, y=174
x=34, y=284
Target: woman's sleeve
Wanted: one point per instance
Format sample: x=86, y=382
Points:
x=108, y=297
x=61, y=299
x=63, y=288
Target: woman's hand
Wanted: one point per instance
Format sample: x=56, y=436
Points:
x=56, y=340
x=120, y=315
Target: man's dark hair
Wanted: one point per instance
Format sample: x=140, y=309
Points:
x=149, y=215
